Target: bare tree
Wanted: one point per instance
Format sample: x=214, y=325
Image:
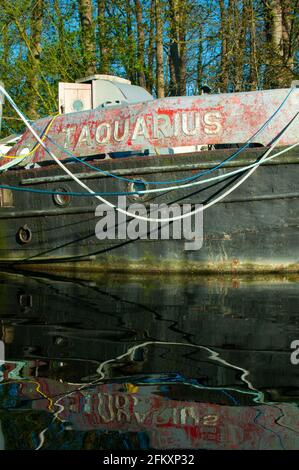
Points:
x=36, y=25
x=282, y=40
x=159, y=51
x=178, y=11
x=87, y=35
x=104, y=43
x=239, y=11
x=199, y=60
x=225, y=46
x=151, y=48
x=140, y=46
x=253, y=60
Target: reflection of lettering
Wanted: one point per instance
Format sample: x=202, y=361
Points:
x=141, y=129
x=116, y=408
x=162, y=416
x=210, y=420
x=189, y=412
x=87, y=406
x=141, y=417
x=105, y=407
x=122, y=404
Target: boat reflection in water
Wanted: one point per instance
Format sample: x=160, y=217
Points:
x=148, y=363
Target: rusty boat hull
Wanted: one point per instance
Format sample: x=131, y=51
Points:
x=254, y=229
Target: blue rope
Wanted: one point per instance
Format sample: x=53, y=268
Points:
x=74, y=193
x=260, y=413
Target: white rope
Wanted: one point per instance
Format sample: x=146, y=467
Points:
x=113, y=206
x=218, y=177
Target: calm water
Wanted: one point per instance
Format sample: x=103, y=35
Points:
x=148, y=363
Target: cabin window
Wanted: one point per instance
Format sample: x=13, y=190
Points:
x=6, y=198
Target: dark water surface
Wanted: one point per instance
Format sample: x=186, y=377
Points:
x=148, y=362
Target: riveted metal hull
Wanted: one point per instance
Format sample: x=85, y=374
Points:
x=254, y=229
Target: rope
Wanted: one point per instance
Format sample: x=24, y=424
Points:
x=128, y=193
x=36, y=147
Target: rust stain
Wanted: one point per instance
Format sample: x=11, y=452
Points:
x=168, y=123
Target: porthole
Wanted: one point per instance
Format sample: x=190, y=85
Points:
x=138, y=185
x=62, y=200
x=24, y=235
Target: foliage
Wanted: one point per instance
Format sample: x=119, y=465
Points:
x=232, y=45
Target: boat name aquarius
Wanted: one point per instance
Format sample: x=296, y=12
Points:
x=151, y=126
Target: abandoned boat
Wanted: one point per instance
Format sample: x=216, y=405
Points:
x=112, y=143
